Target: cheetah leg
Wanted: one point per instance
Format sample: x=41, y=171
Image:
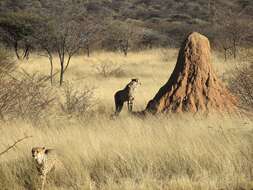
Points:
x=130, y=106
x=43, y=182
x=119, y=107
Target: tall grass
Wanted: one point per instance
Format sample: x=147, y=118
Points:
x=177, y=152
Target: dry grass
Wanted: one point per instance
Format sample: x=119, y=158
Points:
x=176, y=152
x=132, y=154
x=149, y=66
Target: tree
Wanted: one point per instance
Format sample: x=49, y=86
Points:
x=69, y=39
x=64, y=39
x=120, y=36
x=91, y=29
x=16, y=29
x=45, y=42
x=224, y=44
x=63, y=30
x=148, y=38
x=234, y=32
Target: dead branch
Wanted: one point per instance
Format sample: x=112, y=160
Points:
x=14, y=144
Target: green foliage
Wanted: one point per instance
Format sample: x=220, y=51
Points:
x=17, y=24
x=169, y=20
x=16, y=30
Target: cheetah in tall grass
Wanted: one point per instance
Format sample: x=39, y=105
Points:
x=126, y=95
x=46, y=160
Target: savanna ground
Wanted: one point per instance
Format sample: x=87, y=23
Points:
x=174, y=152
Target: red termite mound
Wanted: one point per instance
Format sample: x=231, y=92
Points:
x=193, y=86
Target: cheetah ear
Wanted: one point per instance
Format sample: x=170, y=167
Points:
x=46, y=151
x=135, y=80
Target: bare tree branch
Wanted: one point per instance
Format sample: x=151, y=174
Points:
x=14, y=144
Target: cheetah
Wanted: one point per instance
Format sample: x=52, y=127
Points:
x=46, y=160
x=126, y=95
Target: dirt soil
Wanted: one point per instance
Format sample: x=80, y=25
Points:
x=193, y=86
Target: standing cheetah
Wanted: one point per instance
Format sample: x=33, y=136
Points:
x=45, y=160
x=126, y=95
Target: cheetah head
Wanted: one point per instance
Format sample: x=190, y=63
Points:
x=135, y=82
x=38, y=153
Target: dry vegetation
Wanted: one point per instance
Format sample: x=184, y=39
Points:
x=174, y=152
x=241, y=84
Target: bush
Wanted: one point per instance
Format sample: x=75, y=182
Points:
x=241, y=84
x=107, y=68
x=30, y=96
x=7, y=64
x=27, y=97
x=76, y=102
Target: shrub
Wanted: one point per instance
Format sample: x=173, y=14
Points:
x=107, y=68
x=241, y=84
x=76, y=102
x=7, y=64
x=27, y=97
